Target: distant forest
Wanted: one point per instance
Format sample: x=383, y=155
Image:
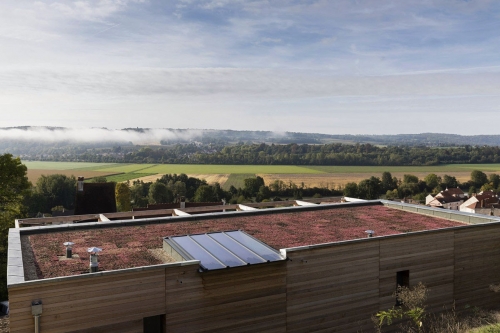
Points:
x=265, y=148
x=291, y=154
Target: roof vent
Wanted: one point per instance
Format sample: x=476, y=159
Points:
x=94, y=260
x=370, y=233
x=69, y=249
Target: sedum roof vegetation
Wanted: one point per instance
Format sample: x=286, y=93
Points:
x=127, y=247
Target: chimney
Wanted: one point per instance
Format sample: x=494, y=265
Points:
x=80, y=183
x=69, y=249
x=183, y=202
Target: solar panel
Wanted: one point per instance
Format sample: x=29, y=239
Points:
x=243, y=252
x=263, y=250
x=220, y=250
x=197, y=252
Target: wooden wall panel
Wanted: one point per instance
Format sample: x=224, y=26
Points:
x=246, y=299
x=428, y=257
x=477, y=266
x=333, y=288
x=80, y=304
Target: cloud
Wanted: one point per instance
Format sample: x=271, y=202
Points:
x=246, y=83
x=94, y=135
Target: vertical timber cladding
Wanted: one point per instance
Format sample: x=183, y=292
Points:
x=477, y=266
x=241, y=299
x=87, y=304
x=333, y=288
x=429, y=258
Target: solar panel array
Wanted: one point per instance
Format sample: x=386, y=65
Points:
x=220, y=250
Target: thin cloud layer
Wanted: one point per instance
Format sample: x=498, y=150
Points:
x=96, y=135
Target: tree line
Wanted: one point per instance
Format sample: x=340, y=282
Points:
x=410, y=186
x=275, y=154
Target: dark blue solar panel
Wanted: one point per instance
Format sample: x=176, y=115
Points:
x=226, y=257
x=196, y=251
x=237, y=249
x=254, y=245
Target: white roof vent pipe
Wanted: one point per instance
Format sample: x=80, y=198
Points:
x=69, y=249
x=370, y=233
x=94, y=259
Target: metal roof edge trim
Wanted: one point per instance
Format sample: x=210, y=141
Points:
x=367, y=239
x=419, y=209
x=98, y=274
x=15, y=265
x=175, y=219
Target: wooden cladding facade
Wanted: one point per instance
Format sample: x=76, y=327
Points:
x=326, y=288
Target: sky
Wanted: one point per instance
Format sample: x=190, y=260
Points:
x=320, y=66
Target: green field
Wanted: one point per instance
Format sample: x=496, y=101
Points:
x=251, y=169
x=237, y=180
x=229, y=169
x=126, y=168
x=235, y=174
x=42, y=165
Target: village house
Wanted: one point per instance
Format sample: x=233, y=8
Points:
x=309, y=268
x=450, y=198
x=482, y=203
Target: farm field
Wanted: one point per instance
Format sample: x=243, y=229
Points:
x=236, y=180
x=228, y=169
x=34, y=174
x=333, y=180
x=445, y=168
x=227, y=175
x=43, y=165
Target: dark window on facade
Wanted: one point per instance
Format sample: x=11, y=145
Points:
x=402, y=280
x=154, y=324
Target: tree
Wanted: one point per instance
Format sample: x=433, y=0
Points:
x=14, y=185
x=58, y=190
x=351, y=190
x=204, y=193
x=139, y=193
x=494, y=180
x=432, y=181
x=478, y=178
x=160, y=193
x=409, y=179
x=252, y=185
x=369, y=188
x=122, y=194
x=387, y=182
x=449, y=182
x=179, y=189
